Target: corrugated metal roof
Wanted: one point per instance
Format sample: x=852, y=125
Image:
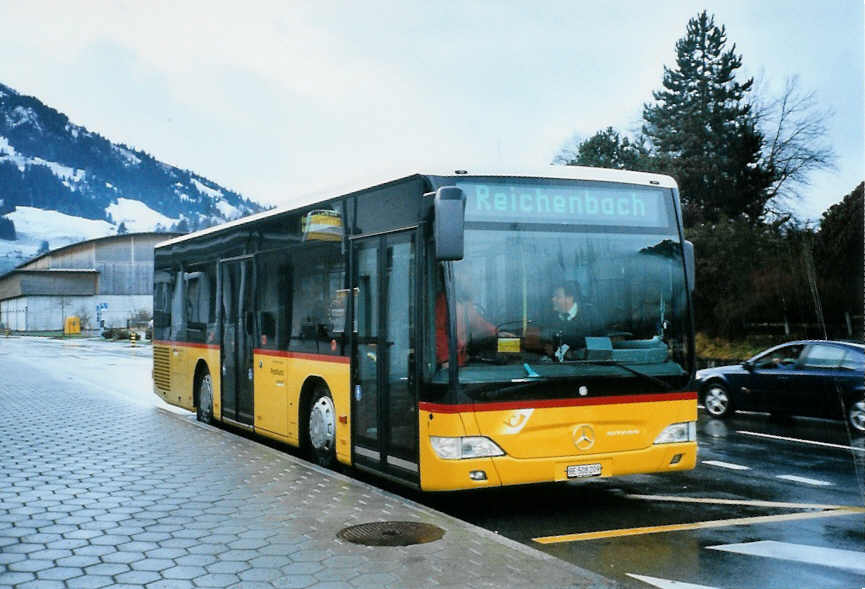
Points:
x=80, y=243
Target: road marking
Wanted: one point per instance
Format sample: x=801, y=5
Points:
x=786, y=439
x=831, y=557
x=720, y=523
x=667, y=583
x=807, y=481
x=744, y=502
x=726, y=465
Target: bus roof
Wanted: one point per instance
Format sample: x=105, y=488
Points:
x=553, y=171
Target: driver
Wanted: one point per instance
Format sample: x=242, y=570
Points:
x=572, y=322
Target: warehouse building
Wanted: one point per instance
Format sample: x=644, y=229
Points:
x=105, y=281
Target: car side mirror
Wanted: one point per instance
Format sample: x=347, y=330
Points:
x=448, y=224
x=747, y=366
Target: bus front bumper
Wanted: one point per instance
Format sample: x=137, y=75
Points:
x=451, y=475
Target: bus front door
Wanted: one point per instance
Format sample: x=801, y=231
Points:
x=384, y=415
x=237, y=340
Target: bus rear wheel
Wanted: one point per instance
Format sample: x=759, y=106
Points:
x=321, y=427
x=204, y=409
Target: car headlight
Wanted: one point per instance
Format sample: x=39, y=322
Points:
x=466, y=447
x=678, y=432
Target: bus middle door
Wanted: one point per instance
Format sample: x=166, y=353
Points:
x=237, y=339
x=384, y=415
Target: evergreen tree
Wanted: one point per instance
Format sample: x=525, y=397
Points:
x=7, y=229
x=121, y=229
x=44, y=248
x=703, y=130
x=607, y=149
x=838, y=247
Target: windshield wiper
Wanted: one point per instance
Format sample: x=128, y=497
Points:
x=664, y=384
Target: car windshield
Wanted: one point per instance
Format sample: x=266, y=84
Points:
x=557, y=302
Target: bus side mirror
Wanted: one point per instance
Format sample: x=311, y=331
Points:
x=690, y=267
x=448, y=224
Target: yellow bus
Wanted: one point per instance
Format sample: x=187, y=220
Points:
x=452, y=330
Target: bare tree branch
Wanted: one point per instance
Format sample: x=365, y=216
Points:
x=795, y=128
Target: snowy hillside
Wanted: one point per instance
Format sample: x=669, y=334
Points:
x=35, y=226
x=61, y=183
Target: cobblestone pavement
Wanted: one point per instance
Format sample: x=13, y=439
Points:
x=97, y=492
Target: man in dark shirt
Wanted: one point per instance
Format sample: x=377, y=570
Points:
x=573, y=320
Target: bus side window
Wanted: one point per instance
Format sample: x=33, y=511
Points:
x=163, y=292
x=274, y=300
x=317, y=283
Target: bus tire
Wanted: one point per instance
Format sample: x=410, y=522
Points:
x=204, y=393
x=321, y=427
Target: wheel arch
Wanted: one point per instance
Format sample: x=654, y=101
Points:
x=715, y=379
x=304, y=401
x=201, y=368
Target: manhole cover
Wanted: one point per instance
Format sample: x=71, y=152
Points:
x=391, y=533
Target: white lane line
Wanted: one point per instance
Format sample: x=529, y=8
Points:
x=726, y=465
x=831, y=557
x=812, y=442
x=807, y=481
x=748, y=502
x=667, y=583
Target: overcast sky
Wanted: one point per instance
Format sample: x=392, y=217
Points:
x=279, y=99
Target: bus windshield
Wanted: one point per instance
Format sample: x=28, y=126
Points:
x=559, y=299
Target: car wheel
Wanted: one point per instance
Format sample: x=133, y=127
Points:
x=856, y=416
x=204, y=410
x=321, y=427
x=716, y=400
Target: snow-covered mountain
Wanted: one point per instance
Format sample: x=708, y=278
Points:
x=61, y=183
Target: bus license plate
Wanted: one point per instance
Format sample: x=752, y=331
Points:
x=584, y=470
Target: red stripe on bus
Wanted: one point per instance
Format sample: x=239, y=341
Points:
x=185, y=344
x=511, y=405
x=303, y=356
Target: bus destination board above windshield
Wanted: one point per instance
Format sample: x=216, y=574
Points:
x=584, y=203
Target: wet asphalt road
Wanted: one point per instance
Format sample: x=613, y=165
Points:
x=718, y=489
x=749, y=467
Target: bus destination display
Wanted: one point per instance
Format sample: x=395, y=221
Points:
x=583, y=204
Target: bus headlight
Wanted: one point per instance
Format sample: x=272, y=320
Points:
x=678, y=432
x=468, y=447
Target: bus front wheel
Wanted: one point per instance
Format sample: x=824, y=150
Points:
x=321, y=427
x=204, y=409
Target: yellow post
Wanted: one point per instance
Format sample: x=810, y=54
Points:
x=72, y=326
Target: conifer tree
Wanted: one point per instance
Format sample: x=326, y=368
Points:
x=702, y=129
x=607, y=149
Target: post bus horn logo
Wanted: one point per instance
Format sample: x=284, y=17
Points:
x=584, y=437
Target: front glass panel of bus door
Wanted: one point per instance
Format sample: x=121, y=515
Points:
x=237, y=340
x=365, y=393
x=401, y=416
